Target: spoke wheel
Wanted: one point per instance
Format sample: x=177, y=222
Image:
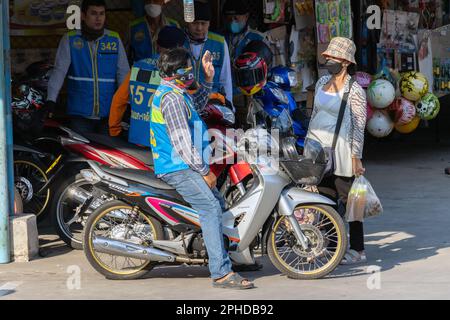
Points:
x=325, y=231
x=115, y=220
x=29, y=178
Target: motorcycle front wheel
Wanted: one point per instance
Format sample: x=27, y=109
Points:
x=116, y=220
x=29, y=178
x=327, y=243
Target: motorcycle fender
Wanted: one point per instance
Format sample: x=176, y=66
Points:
x=18, y=148
x=293, y=197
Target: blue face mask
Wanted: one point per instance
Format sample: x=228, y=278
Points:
x=236, y=27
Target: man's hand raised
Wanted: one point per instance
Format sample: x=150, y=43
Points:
x=208, y=66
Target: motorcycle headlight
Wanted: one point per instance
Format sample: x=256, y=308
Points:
x=280, y=95
x=278, y=80
x=293, y=81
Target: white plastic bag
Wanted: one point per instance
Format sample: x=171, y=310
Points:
x=362, y=201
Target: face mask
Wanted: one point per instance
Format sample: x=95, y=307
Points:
x=184, y=78
x=333, y=67
x=236, y=27
x=153, y=10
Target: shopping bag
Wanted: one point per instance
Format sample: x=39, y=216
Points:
x=362, y=201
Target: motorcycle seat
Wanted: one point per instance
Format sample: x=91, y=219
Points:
x=147, y=178
x=141, y=153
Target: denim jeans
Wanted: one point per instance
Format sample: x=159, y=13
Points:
x=210, y=205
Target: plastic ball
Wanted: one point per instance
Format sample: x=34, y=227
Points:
x=413, y=86
x=410, y=127
x=381, y=125
x=428, y=107
x=404, y=111
x=369, y=111
x=363, y=79
x=380, y=94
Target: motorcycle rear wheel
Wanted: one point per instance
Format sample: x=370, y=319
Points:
x=93, y=228
x=63, y=210
x=327, y=237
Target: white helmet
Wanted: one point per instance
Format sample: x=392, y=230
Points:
x=381, y=125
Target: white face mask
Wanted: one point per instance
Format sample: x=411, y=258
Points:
x=153, y=10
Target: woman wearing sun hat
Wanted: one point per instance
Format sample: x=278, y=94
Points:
x=330, y=93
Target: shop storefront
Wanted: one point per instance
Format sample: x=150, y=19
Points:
x=403, y=60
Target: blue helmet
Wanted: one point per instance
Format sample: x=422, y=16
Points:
x=285, y=77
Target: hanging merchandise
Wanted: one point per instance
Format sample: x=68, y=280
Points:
x=440, y=44
x=275, y=11
x=333, y=19
x=381, y=125
x=391, y=75
x=305, y=7
x=428, y=107
x=441, y=75
x=399, y=29
x=413, y=86
x=410, y=127
x=404, y=111
x=380, y=94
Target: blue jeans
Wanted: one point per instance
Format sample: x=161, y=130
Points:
x=209, y=204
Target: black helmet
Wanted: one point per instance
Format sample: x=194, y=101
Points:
x=28, y=112
x=38, y=74
x=261, y=49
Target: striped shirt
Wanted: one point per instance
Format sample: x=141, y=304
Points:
x=174, y=110
x=355, y=119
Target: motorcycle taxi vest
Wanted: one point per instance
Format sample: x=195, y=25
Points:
x=141, y=39
x=92, y=74
x=166, y=159
x=215, y=45
x=144, y=82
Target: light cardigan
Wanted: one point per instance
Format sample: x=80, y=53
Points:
x=351, y=138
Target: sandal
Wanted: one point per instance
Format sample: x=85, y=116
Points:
x=353, y=257
x=234, y=281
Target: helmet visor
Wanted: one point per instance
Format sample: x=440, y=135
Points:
x=249, y=77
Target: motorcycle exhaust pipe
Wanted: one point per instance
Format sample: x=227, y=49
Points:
x=131, y=250
x=78, y=194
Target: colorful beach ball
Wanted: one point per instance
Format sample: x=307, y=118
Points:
x=404, y=110
x=428, y=107
x=413, y=86
x=410, y=127
x=381, y=125
x=380, y=94
x=363, y=79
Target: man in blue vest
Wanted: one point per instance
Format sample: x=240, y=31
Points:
x=138, y=88
x=238, y=33
x=200, y=40
x=144, y=30
x=180, y=147
x=95, y=62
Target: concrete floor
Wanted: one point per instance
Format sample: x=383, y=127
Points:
x=410, y=243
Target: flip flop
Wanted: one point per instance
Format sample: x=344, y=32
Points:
x=353, y=257
x=235, y=282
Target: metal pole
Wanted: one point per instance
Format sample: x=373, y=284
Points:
x=6, y=139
